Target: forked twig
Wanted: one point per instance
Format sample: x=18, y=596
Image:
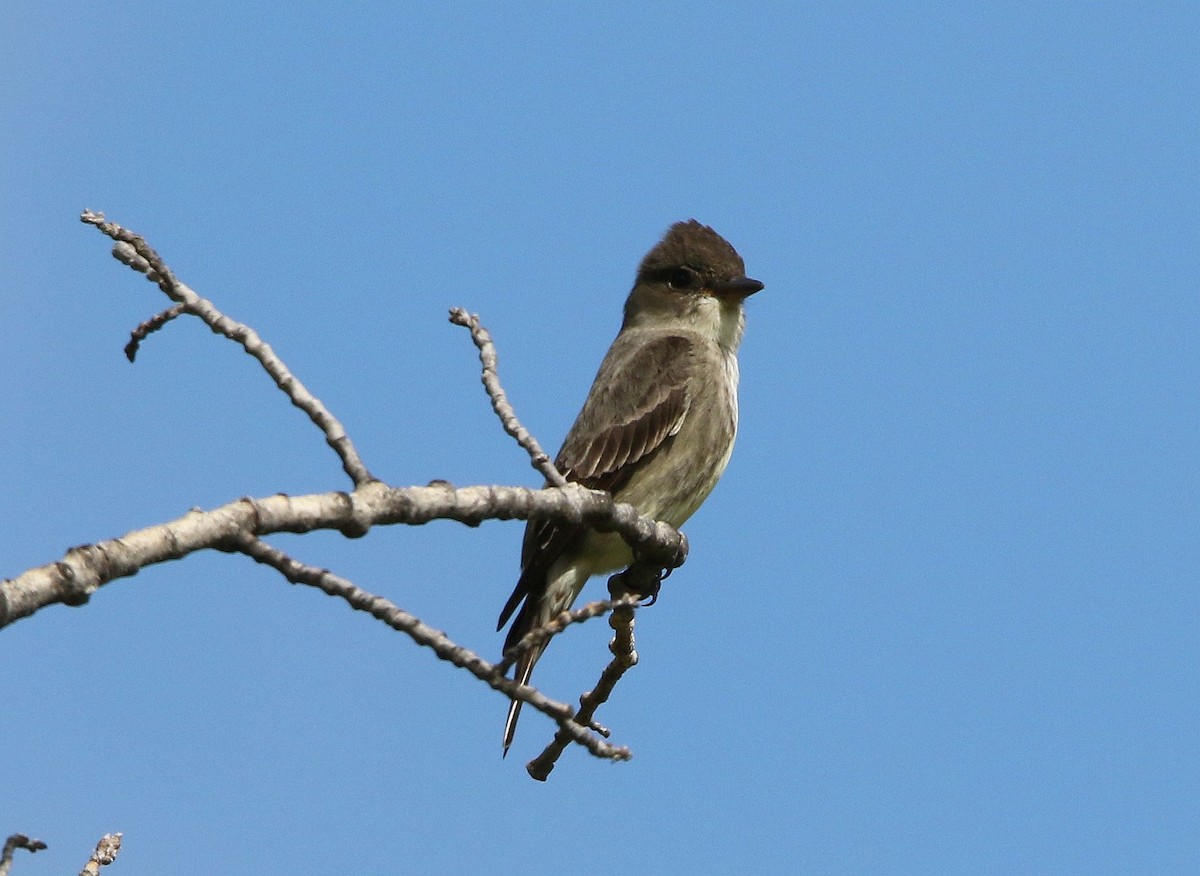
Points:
x=133, y=250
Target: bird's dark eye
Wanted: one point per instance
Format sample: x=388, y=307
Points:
x=682, y=278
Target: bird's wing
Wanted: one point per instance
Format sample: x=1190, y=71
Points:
x=636, y=405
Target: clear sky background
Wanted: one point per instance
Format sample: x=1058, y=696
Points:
x=942, y=613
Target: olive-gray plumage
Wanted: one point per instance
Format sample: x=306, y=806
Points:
x=658, y=425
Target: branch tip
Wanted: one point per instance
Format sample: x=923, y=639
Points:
x=17, y=841
x=148, y=327
x=105, y=853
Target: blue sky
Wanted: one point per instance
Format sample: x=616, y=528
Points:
x=940, y=615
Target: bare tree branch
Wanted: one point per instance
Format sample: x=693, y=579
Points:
x=17, y=841
x=424, y=635
x=133, y=250
x=83, y=570
x=624, y=657
x=491, y=382
x=105, y=854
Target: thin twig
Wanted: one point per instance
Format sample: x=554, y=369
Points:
x=538, y=635
x=624, y=656
x=105, y=854
x=17, y=841
x=133, y=250
x=500, y=404
x=398, y=619
x=150, y=326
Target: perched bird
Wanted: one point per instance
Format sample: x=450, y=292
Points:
x=657, y=427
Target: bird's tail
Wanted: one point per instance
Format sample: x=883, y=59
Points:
x=542, y=604
x=524, y=670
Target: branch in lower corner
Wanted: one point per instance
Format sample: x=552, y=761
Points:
x=14, y=842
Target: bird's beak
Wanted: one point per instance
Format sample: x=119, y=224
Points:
x=742, y=287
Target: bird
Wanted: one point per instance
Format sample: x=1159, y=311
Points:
x=656, y=430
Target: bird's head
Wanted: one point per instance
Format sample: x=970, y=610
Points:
x=692, y=279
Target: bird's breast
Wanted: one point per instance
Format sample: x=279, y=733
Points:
x=682, y=473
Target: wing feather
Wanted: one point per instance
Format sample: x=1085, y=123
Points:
x=636, y=405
